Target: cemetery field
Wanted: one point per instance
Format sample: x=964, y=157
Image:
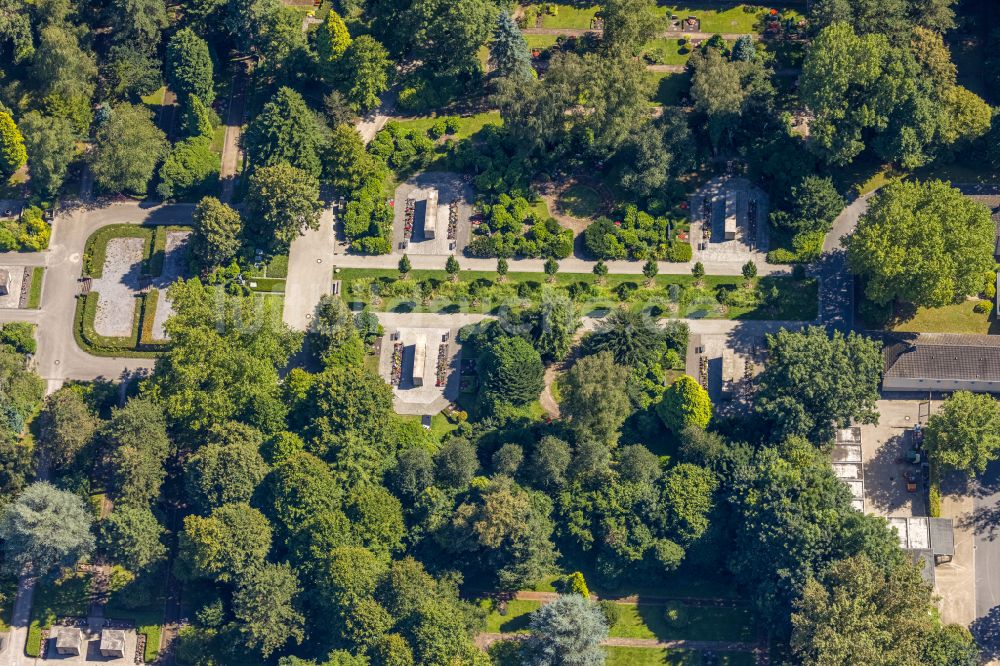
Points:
x=569, y=16
x=643, y=621
x=741, y=18
x=668, y=295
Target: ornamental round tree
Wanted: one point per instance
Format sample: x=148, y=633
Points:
x=567, y=631
x=685, y=404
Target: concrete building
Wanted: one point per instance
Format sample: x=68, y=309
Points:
x=112, y=643
x=942, y=362
x=847, y=464
x=69, y=640
x=419, y=359
x=730, y=226
x=431, y=215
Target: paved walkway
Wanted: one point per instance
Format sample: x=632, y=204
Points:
x=231, y=153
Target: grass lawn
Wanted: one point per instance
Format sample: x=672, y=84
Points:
x=515, y=619
x=541, y=41
x=155, y=98
x=440, y=425
x=668, y=88
x=685, y=582
x=670, y=50
x=467, y=125
x=957, y=318
x=35, y=294
x=580, y=201
x=568, y=16
x=218, y=139
x=741, y=18
x=55, y=600
x=634, y=656
x=703, y=623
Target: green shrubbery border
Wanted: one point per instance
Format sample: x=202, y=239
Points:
x=98, y=345
x=95, y=250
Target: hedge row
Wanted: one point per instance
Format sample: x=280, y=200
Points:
x=99, y=345
x=95, y=251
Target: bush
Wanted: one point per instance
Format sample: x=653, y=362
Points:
x=576, y=584
x=451, y=125
x=679, y=252
x=934, y=501
x=30, y=233
x=612, y=612
x=190, y=169
x=437, y=130
x=675, y=613
x=982, y=307
x=781, y=256
x=19, y=335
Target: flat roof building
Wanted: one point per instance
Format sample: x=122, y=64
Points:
x=112, y=643
x=69, y=640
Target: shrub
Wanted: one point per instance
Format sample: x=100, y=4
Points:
x=576, y=584
x=679, y=252
x=876, y=314
x=30, y=233
x=612, y=612
x=934, y=501
x=190, y=169
x=451, y=125
x=982, y=307
x=781, y=256
x=19, y=335
x=675, y=613
x=437, y=130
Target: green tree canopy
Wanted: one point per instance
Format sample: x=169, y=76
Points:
x=131, y=537
x=217, y=231
x=509, y=50
x=44, y=528
x=224, y=473
x=128, y=148
x=922, y=243
x=366, y=73
x=226, y=545
x=282, y=203
x=265, y=604
x=594, y=397
x=512, y=371
x=136, y=446
x=285, y=131
x=812, y=382
x=50, y=144
x=685, y=403
x=12, y=152
x=965, y=433
x=629, y=24
x=190, y=169
x=566, y=631
x=65, y=427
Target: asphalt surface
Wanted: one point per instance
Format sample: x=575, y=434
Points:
x=985, y=522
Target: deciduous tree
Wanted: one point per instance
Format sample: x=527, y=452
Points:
x=130, y=536
x=922, y=243
x=594, y=397
x=12, y=152
x=65, y=426
x=965, y=433
x=189, y=66
x=217, y=230
x=129, y=146
x=283, y=202
x=225, y=546
x=685, y=403
x=265, y=605
x=50, y=145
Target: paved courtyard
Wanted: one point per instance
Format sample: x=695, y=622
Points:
x=883, y=447
x=174, y=266
x=751, y=231
x=118, y=286
x=15, y=279
x=451, y=188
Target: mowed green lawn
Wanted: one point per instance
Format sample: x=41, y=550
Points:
x=568, y=16
x=957, y=318
x=667, y=88
x=739, y=19
x=467, y=125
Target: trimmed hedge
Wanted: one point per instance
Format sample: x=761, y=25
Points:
x=94, y=252
x=93, y=343
x=149, y=305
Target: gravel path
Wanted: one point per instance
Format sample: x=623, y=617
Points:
x=174, y=263
x=117, y=287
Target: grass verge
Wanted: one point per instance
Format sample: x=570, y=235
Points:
x=95, y=250
x=35, y=293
